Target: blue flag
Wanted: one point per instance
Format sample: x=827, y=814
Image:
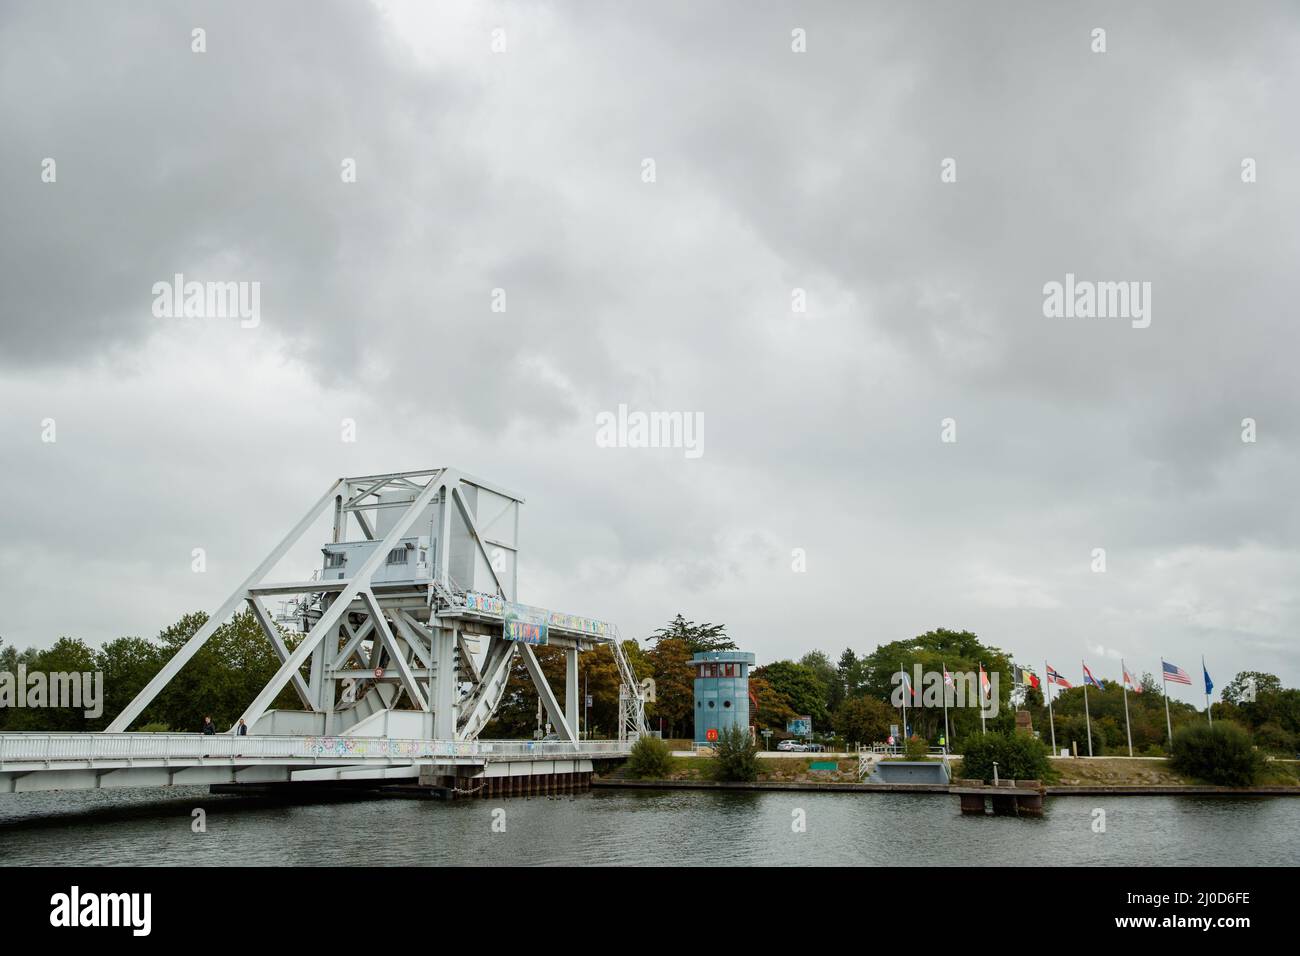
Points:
x=1209, y=684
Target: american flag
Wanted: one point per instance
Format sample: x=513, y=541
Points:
x=1175, y=673
x=1054, y=677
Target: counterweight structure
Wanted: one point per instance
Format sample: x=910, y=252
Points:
x=410, y=628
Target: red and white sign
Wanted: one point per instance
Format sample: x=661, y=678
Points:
x=711, y=734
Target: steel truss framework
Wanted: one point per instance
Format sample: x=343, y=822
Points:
x=416, y=633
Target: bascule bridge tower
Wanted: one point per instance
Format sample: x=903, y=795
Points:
x=412, y=620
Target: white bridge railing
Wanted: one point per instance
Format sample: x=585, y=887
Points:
x=53, y=748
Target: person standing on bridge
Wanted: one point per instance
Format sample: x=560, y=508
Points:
x=209, y=728
x=243, y=728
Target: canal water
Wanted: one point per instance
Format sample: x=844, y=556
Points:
x=658, y=828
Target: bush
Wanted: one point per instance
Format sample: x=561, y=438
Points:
x=154, y=729
x=650, y=757
x=1222, y=754
x=1019, y=757
x=1273, y=738
x=916, y=748
x=735, y=756
x=1072, y=730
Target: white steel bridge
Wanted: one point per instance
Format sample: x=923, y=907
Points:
x=407, y=634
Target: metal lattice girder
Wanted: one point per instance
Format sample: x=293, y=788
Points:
x=414, y=633
x=394, y=652
x=431, y=660
x=353, y=645
x=202, y=635
x=356, y=584
x=492, y=684
x=281, y=651
x=472, y=525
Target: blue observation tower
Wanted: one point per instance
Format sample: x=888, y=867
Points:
x=721, y=693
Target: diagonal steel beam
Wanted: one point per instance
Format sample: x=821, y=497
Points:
x=467, y=659
x=281, y=651
x=496, y=674
x=414, y=634
x=356, y=584
x=478, y=538
x=399, y=659
x=354, y=640
x=545, y=693
x=201, y=636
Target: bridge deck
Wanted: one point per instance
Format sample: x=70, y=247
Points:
x=92, y=761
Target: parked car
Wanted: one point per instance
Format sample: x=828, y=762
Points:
x=791, y=746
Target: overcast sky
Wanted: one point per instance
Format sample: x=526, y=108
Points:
x=523, y=169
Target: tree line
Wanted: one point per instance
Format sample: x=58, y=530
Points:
x=850, y=697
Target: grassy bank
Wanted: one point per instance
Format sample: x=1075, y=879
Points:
x=1152, y=772
x=1083, y=772
x=784, y=769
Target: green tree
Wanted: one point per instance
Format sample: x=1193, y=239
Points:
x=649, y=758
x=1222, y=754
x=1018, y=756
x=67, y=655
x=222, y=678
x=698, y=638
x=772, y=710
x=735, y=756
x=851, y=674
x=863, y=720
x=670, y=662
x=1249, y=685
x=828, y=674
x=961, y=652
x=128, y=663
x=916, y=748
x=800, y=686
x=516, y=715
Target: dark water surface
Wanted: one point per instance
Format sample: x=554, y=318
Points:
x=661, y=828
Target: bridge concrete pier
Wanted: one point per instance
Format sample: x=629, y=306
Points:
x=508, y=778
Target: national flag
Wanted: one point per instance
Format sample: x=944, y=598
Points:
x=947, y=678
x=1026, y=676
x=1209, y=684
x=907, y=686
x=985, y=689
x=1172, y=672
x=1054, y=677
x=1128, y=679
x=1089, y=679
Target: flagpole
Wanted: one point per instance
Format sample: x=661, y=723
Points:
x=983, y=728
x=1204, y=672
x=1086, y=716
x=1123, y=669
x=904, y=673
x=1047, y=685
x=1168, y=723
x=947, y=741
